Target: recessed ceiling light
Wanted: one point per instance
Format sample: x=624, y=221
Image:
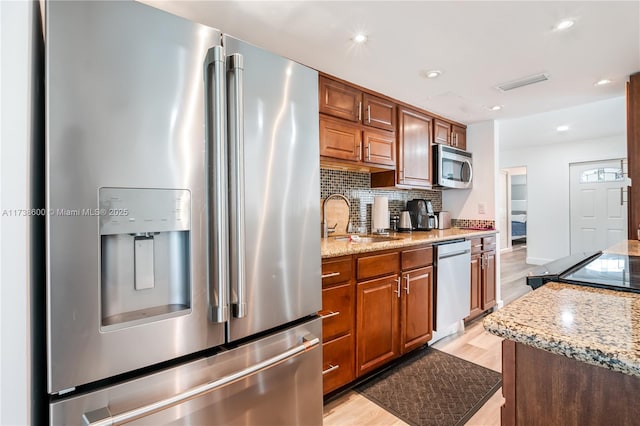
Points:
x=565, y=24
x=496, y=108
x=359, y=38
x=432, y=73
x=602, y=82
x=562, y=128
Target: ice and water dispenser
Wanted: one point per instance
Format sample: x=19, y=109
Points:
x=145, y=255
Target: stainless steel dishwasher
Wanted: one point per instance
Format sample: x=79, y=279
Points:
x=453, y=282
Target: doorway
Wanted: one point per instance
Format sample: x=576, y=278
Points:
x=513, y=208
x=598, y=210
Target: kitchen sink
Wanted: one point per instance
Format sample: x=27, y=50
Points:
x=365, y=239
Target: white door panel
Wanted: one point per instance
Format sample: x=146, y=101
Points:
x=598, y=216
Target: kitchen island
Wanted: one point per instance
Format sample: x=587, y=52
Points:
x=571, y=354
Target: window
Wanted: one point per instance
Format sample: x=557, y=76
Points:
x=602, y=174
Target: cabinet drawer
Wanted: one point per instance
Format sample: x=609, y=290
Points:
x=335, y=271
x=488, y=243
x=378, y=265
x=417, y=258
x=338, y=357
x=337, y=311
x=476, y=245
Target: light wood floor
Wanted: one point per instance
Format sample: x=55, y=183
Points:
x=474, y=345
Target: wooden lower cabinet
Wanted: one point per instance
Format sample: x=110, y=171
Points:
x=488, y=280
x=337, y=363
x=483, y=276
x=417, y=300
x=377, y=322
x=543, y=388
x=476, y=286
x=338, y=320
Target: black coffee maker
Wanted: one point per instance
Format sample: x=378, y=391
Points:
x=422, y=216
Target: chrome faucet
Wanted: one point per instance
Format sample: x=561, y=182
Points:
x=325, y=228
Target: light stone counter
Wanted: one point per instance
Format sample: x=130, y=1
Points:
x=330, y=247
x=595, y=326
x=628, y=248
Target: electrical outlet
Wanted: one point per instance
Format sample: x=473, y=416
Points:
x=482, y=208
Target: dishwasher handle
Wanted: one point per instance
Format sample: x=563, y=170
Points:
x=453, y=254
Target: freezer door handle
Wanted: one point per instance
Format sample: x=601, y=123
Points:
x=103, y=417
x=236, y=185
x=217, y=184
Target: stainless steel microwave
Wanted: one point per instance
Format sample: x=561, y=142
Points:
x=453, y=168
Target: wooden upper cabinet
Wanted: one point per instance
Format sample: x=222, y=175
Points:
x=378, y=112
x=379, y=148
x=449, y=134
x=459, y=137
x=414, y=148
x=441, y=132
x=341, y=140
x=340, y=100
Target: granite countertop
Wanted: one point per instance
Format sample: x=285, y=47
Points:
x=330, y=247
x=592, y=325
x=627, y=248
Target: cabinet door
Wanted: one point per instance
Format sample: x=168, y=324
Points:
x=378, y=112
x=417, y=302
x=459, y=137
x=340, y=100
x=379, y=148
x=441, y=132
x=476, y=286
x=378, y=323
x=489, y=280
x=340, y=140
x=414, y=145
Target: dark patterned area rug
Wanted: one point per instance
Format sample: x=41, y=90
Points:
x=432, y=388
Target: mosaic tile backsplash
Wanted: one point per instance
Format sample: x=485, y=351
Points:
x=357, y=188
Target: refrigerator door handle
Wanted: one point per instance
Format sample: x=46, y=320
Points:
x=103, y=417
x=216, y=157
x=236, y=188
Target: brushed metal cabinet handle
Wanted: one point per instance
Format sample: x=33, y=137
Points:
x=360, y=111
x=330, y=274
x=330, y=314
x=398, y=289
x=408, y=280
x=330, y=369
x=369, y=114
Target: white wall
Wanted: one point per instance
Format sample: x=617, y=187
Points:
x=548, y=230
x=483, y=142
x=16, y=50
x=466, y=203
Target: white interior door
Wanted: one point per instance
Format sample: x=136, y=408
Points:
x=598, y=213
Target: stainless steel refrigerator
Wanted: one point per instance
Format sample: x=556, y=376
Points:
x=183, y=262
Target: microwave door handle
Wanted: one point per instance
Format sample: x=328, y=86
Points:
x=468, y=164
x=216, y=184
x=236, y=188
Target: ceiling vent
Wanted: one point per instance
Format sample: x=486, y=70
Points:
x=537, y=78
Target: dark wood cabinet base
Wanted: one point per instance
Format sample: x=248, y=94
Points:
x=542, y=388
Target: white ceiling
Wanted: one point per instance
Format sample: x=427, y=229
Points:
x=477, y=45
